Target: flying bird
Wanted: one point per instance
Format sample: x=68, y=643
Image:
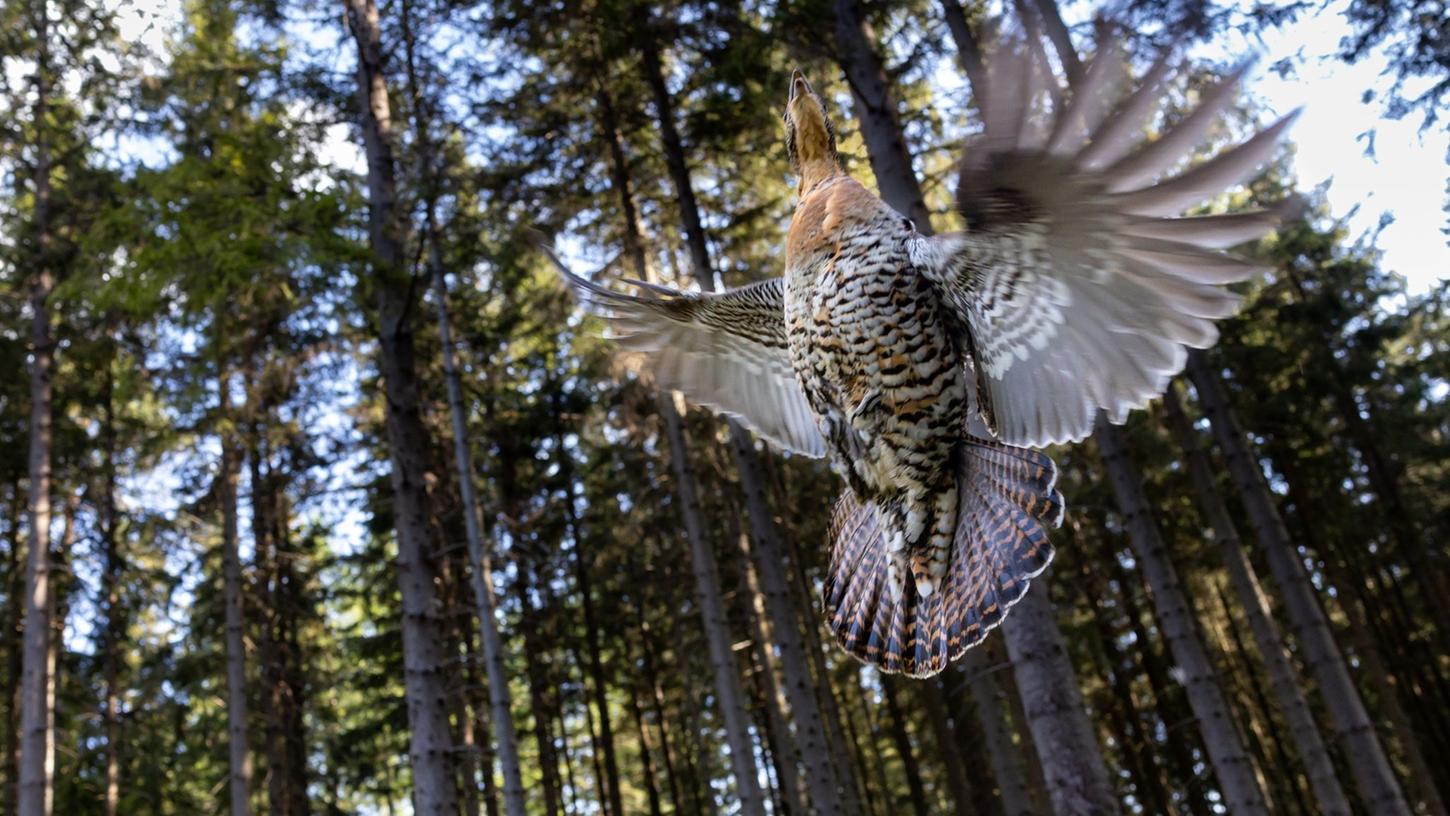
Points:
x=930, y=368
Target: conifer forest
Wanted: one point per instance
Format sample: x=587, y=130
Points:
x=323, y=492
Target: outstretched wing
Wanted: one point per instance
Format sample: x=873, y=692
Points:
x=1078, y=291
x=727, y=351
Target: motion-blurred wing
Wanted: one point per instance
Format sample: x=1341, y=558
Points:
x=727, y=351
x=1078, y=293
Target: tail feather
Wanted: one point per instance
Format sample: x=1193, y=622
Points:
x=1008, y=501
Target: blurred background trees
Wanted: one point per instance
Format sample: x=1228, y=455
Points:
x=257, y=557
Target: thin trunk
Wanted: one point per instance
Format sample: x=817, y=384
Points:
x=598, y=685
x=728, y=690
x=542, y=692
x=969, y=49
x=1240, y=785
x=1353, y=729
x=59, y=610
x=876, y=114
x=36, y=787
x=240, y=757
x=264, y=571
x=1067, y=747
x=14, y=634
x=902, y=738
x=646, y=755
x=1061, y=42
x=828, y=794
x=1004, y=753
x=430, y=747
x=1283, y=677
x=657, y=707
x=113, y=571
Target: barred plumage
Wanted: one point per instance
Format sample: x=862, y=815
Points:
x=920, y=363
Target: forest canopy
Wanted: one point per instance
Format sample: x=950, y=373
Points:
x=324, y=496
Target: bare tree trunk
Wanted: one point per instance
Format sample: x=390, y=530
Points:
x=1353, y=728
x=1283, y=678
x=1067, y=748
x=113, y=571
x=902, y=738
x=430, y=747
x=969, y=49
x=58, y=612
x=876, y=113
x=726, y=674
x=240, y=757
x=828, y=793
x=1240, y=785
x=542, y=696
x=36, y=787
x=944, y=727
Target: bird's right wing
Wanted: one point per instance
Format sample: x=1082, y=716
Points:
x=727, y=351
x=1078, y=284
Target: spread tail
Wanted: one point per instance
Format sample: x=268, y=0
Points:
x=1007, y=500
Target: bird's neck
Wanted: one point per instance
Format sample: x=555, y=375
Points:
x=814, y=172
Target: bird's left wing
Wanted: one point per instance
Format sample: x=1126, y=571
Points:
x=727, y=351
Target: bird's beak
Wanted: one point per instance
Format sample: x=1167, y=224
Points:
x=798, y=85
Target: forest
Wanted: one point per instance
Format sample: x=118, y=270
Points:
x=322, y=495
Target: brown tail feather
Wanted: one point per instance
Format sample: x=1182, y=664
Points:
x=1008, y=500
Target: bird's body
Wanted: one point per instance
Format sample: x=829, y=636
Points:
x=872, y=348
x=928, y=367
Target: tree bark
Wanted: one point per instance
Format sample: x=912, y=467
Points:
x=969, y=49
x=1353, y=728
x=430, y=747
x=1283, y=678
x=1067, y=748
x=36, y=784
x=876, y=111
x=239, y=753
x=113, y=571
x=1237, y=779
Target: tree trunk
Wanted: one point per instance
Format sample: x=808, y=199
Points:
x=113, y=571
x=240, y=757
x=1353, y=728
x=969, y=49
x=829, y=795
x=36, y=786
x=943, y=726
x=1240, y=785
x=876, y=113
x=1067, y=748
x=902, y=739
x=543, y=699
x=430, y=746
x=1283, y=678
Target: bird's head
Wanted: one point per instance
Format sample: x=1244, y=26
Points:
x=810, y=140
